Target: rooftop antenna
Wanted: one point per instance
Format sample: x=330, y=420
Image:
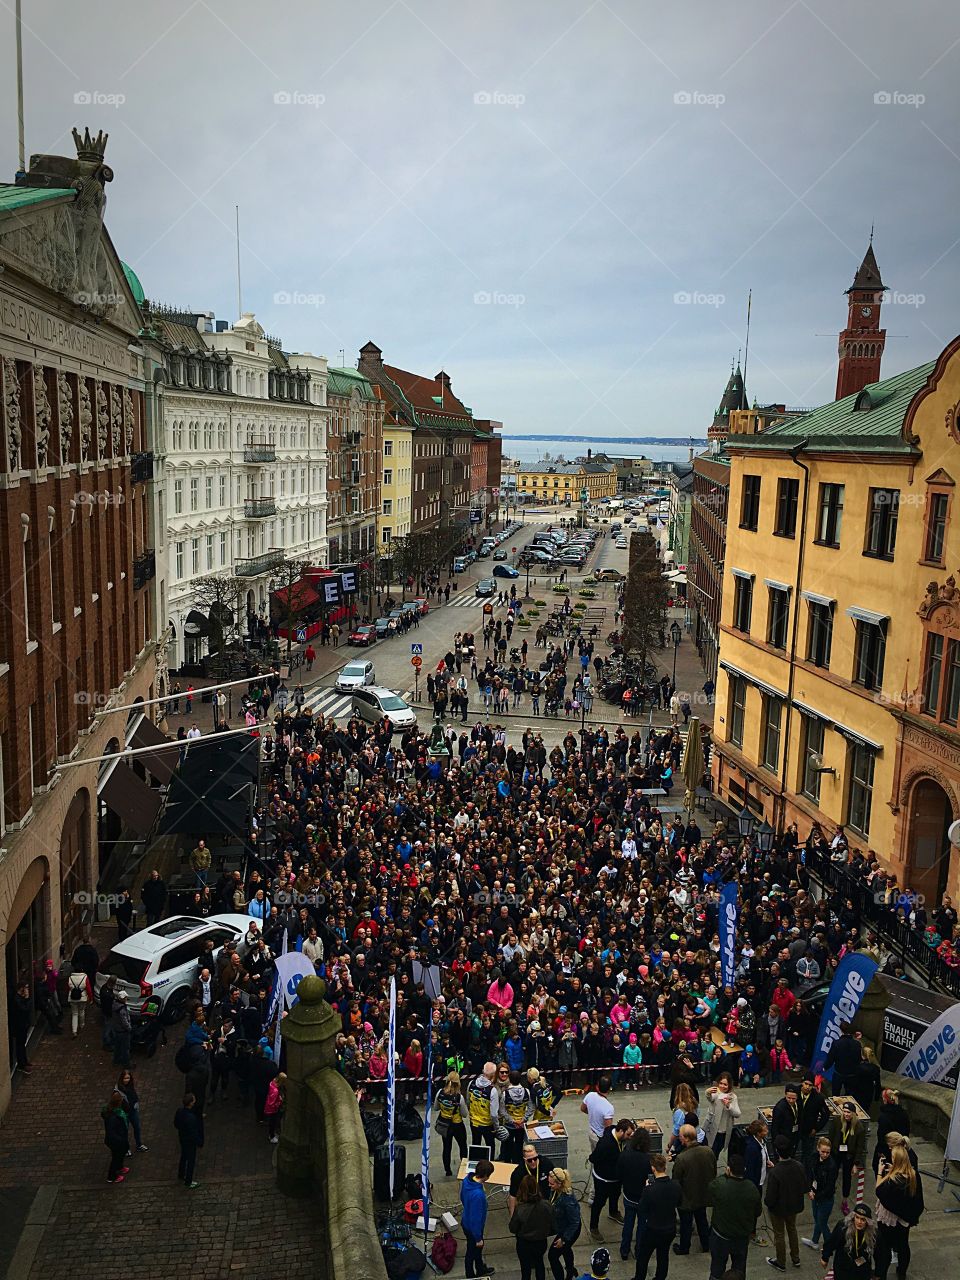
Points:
x=239, y=294
x=343, y=357
x=20, y=136
x=746, y=350
x=871, y=229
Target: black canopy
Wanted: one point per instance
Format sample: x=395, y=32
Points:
x=210, y=793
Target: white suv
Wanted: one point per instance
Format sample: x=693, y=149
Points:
x=374, y=702
x=160, y=963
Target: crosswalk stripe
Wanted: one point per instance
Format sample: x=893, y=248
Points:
x=331, y=702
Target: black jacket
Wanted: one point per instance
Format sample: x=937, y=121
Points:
x=633, y=1170
x=785, y=1122
x=822, y=1176
x=189, y=1125
x=659, y=1204
x=895, y=1194
x=845, y=1057
x=786, y=1188
x=605, y=1157
x=814, y=1113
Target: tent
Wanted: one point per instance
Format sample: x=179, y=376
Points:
x=210, y=793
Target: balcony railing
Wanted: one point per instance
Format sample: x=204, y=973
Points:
x=141, y=468
x=257, y=508
x=254, y=566
x=259, y=451
x=144, y=568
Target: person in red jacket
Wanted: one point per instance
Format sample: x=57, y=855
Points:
x=784, y=999
x=413, y=1064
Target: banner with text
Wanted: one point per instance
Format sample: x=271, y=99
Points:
x=854, y=974
x=936, y=1052
x=729, y=918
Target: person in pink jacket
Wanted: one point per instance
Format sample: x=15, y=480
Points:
x=273, y=1107
x=500, y=993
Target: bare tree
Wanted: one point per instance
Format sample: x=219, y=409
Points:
x=222, y=598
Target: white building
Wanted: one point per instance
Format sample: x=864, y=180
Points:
x=243, y=461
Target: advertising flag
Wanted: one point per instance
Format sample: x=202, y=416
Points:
x=392, y=1077
x=729, y=918
x=854, y=974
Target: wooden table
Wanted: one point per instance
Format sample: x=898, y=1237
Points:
x=718, y=1038
x=502, y=1173
x=835, y=1104
x=555, y=1149
x=656, y=1133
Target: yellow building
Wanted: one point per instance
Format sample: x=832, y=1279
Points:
x=564, y=482
x=838, y=693
x=395, y=483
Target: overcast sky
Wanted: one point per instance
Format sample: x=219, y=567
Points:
x=524, y=191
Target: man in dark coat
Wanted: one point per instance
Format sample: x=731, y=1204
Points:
x=785, y=1196
x=188, y=1123
x=154, y=897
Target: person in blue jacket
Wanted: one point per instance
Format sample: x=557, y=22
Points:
x=474, y=1217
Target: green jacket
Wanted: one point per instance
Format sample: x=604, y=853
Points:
x=736, y=1206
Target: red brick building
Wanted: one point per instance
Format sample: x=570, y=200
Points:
x=76, y=630
x=487, y=457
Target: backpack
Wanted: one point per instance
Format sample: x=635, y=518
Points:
x=77, y=992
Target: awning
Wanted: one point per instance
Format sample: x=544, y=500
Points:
x=160, y=764
x=814, y=598
x=812, y=711
x=210, y=794
x=768, y=689
x=853, y=736
x=195, y=624
x=868, y=615
x=303, y=596
x=742, y=573
x=777, y=586
x=136, y=804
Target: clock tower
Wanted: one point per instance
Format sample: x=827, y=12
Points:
x=861, y=342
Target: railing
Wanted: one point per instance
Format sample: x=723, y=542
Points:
x=255, y=508
x=880, y=912
x=144, y=568
x=141, y=468
x=253, y=566
x=259, y=451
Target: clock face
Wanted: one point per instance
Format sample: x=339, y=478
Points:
x=865, y=312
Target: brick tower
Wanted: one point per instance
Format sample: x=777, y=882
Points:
x=861, y=342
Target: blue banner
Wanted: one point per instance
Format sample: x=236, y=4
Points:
x=854, y=974
x=425, y=1153
x=392, y=1078
x=729, y=918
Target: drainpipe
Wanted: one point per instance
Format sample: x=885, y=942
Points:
x=795, y=459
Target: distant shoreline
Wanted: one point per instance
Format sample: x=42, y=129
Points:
x=682, y=442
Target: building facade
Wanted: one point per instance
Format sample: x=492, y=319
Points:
x=839, y=693
x=77, y=633
x=486, y=460
x=243, y=467
x=354, y=452
x=563, y=483
x=396, y=482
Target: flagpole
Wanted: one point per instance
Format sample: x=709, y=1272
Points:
x=425, y=1158
x=392, y=1080
x=281, y=1004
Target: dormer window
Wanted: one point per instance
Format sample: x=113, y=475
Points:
x=863, y=403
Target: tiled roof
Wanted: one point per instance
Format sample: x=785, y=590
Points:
x=841, y=426
x=179, y=335
x=427, y=395
x=13, y=197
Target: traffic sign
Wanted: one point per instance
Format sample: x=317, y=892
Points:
x=416, y=648
x=301, y=634
x=416, y=661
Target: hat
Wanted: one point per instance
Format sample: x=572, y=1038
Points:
x=850, y=1107
x=534, y=1026
x=864, y=1210
x=749, y=1048
x=600, y=1262
x=741, y=1003
x=120, y=995
x=563, y=1008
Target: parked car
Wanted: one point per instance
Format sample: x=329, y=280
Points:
x=499, y=555
x=422, y=605
x=608, y=575
x=374, y=702
x=385, y=627
x=487, y=586
x=460, y=564
x=355, y=674
x=362, y=635
x=505, y=571
x=160, y=963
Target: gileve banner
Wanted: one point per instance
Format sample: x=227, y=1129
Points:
x=936, y=1052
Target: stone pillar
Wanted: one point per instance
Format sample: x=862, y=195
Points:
x=309, y=1034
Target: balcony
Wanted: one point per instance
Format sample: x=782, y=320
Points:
x=259, y=451
x=257, y=508
x=254, y=566
x=141, y=468
x=351, y=440
x=144, y=568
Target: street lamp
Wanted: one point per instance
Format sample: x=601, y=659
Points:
x=676, y=635
x=745, y=823
x=765, y=836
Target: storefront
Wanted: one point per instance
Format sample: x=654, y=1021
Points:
x=28, y=936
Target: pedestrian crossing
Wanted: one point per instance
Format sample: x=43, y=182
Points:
x=330, y=701
x=470, y=600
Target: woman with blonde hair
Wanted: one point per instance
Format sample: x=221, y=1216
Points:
x=684, y=1103
x=451, y=1115
x=567, y=1224
x=891, y=1118
x=899, y=1207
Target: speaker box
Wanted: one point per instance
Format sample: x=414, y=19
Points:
x=381, y=1172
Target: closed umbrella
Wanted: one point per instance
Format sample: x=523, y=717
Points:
x=691, y=766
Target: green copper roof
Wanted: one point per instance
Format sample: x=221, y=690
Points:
x=12, y=197
x=872, y=419
x=343, y=382
x=133, y=281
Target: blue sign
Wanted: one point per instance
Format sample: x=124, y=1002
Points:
x=476, y=516
x=416, y=649
x=301, y=634
x=854, y=974
x=729, y=917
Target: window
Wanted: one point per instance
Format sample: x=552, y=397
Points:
x=355, y=502
x=388, y=506
x=869, y=654
x=941, y=679
x=179, y=560
x=951, y=702
x=860, y=795
x=819, y=633
x=788, y=492
x=386, y=534
x=194, y=493
x=813, y=736
x=223, y=491
x=388, y=475
x=208, y=491
x=932, y=672
x=778, y=614
x=772, y=715
x=178, y=497
x=750, y=503
x=209, y=550
x=223, y=549
x=388, y=448
x=737, y=709
x=882, y=523
x=742, y=603
x=194, y=555
x=936, y=527
x=831, y=515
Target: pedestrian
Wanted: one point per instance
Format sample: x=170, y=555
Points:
x=79, y=995
x=891, y=1118
x=123, y=911
x=274, y=1105
x=567, y=1224
x=822, y=1174
x=200, y=862
x=153, y=895
x=899, y=1208
x=473, y=1219
x=335, y=634
x=599, y=1266
x=736, y=1207
x=533, y=1224
x=451, y=1116
x=188, y=701
x=845, y=1057
x=115, y=1123
x=120, y=1030
x=853, y=1246
x=723, y=1112
x=21, y=1020
x=784, y=1196
x=634, y=1170
x=127, y=1088
x=848, y=1139
x=658, y=1208
x=188, y=1123
x=310, y=654
x=605, y=1159
x=694, y=1170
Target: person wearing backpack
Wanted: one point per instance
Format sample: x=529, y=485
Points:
x=79, y=995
